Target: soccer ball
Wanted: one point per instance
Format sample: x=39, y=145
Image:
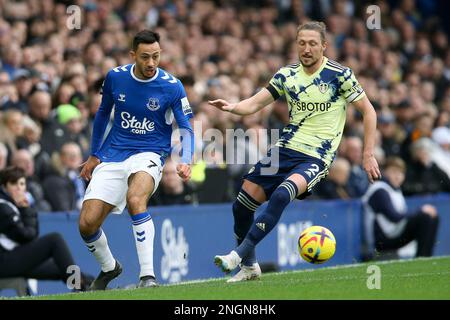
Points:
x=316, y=244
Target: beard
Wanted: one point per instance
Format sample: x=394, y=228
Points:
x=144, y=72
x=311, y=62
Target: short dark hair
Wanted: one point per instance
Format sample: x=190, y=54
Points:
x=11, y=175
x=145, y=36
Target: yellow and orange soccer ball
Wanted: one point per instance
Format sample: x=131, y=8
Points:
x=316, y=244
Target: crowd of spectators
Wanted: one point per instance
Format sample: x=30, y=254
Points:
x=50, y=79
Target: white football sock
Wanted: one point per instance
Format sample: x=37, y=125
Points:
x=144, y=234
x=98, y=245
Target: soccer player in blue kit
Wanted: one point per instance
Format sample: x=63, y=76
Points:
x=125, y=167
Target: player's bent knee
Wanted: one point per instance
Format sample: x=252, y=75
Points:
x=88, y=227
x=254, y=190
x=89, y=223
x=136, y=204
x=300, y=182
x=92, y=214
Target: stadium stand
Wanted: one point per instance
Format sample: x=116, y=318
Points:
x=221, y=48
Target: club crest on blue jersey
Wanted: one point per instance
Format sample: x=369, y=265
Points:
x=323, y=87
x=153, y=104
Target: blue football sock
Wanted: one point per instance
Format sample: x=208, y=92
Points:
x=243, y=211
x=266, y=221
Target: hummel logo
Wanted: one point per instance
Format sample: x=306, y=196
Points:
x=140, y=234
x=121, y=97
x=262, y=226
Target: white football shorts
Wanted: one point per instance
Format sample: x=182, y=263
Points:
x=109, y=181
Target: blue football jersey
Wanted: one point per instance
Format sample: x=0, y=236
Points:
x=143, y=114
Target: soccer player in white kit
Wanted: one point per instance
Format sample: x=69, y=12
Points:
x=124, y=168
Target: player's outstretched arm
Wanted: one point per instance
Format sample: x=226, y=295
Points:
x=370, y=164
x=247, y=106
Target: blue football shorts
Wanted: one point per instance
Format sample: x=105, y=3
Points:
x=270, y=172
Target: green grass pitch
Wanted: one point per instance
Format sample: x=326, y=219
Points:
x=424, y=278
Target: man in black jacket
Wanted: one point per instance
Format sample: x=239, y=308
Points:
x=63, y=188
x=22, y=252
x=24, y=159
x=54, y=135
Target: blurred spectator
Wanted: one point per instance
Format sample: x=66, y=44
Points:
x=70, y=117
x=441, y=135
x=11, y=58
x=441, y=150
x=404, y=114
x=53, y=134
x=358, y=181
x=63, y=188
x=334, y=186
x=387, y=223
x=22, y=252
x=63, y=93
x=423, y=176
x=390, y=140
x=423, y=126
x=11, y=131
x=35, y=194
x=32, y=135
x=5, y=83
x=442, y=119
x=172, y=190
x=23, y=83
x=80, y=101
x=245, y=147
x=378, y=151
x=3, y=156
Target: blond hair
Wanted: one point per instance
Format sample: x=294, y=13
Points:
x=395, y=162
x=318, y=26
